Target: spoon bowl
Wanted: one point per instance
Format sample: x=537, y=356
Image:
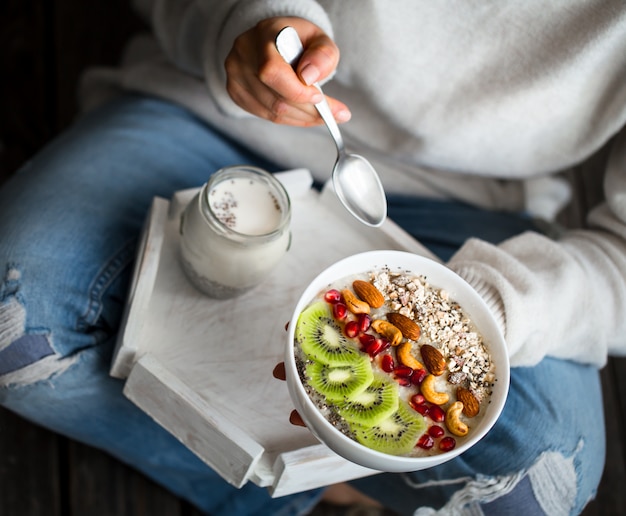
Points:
x=355, y=180
x=359, y=189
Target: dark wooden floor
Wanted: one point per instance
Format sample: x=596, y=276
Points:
x=44, y=46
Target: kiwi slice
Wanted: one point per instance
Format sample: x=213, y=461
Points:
x=321, y=338
x=377, y=402
x=395, y=435
x=338, y=382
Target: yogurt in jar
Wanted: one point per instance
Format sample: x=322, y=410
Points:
x=235, y=231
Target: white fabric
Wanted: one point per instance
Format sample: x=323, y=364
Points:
x=465, y=100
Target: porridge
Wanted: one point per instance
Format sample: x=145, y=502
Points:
x=394, y=363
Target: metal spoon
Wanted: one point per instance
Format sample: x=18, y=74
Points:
x=355, y=181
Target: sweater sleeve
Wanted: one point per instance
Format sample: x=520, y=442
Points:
x=564, y=298
x=197, y=35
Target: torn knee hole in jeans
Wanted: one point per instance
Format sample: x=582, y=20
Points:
x=552, y=479
x=25, y=356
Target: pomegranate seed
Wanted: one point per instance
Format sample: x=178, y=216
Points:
x=374, y=348
x=436, y=413
x=418, y=402
x=365, y=321
x=405, y=382
x=332, y=296
x=426, y=442
x=366, y=339
x=387, y=364
x=340, y=311
x=447, y=444
x=403, y=371
x=422, y=408
x=351, y=329
x=385, y=344
x=418, y=399
x=418, y=376
x=435, y=431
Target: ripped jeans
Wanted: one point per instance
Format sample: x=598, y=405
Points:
x=69, y=222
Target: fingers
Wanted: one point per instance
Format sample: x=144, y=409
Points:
x=262, y=83
x=279, y=372
x=319, y=59
x=295, y=419
x=268, y=87
x=264, y=103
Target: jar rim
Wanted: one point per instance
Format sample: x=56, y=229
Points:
x=276, y=186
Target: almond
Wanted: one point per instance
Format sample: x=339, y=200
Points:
x=433, y=359
x=368, y=293
x=471, y=406
x=409, y=328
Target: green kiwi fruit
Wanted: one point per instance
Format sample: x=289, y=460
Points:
x=395, y=435
x=338, y=382
x=377, y=402
x=321, y=338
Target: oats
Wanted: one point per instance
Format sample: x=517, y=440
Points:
x=444, y=324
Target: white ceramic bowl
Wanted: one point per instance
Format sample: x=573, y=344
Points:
x=437, y=275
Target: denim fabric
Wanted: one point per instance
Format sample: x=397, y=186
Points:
x=69, y=222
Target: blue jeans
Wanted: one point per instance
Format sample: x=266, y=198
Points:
x=69, y=222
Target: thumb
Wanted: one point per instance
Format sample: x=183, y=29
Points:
x=319, y=59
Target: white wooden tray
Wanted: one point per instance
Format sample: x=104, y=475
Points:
x=202, y=368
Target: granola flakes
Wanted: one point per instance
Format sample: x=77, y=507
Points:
x=444, y=325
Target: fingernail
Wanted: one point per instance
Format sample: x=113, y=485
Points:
x=309, y=74
x=343, y=116
x=317, y=98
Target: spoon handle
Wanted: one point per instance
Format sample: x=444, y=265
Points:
x=290, y=48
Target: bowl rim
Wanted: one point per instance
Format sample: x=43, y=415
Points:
x=348, y=447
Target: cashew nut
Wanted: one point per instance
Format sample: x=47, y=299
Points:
x=354, y=304
x=406, y=357
x=388, y=330
x=428, y=391
x=453, y=419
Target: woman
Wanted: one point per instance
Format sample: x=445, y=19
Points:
x=467, y=111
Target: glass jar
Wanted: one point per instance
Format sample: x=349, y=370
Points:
x=234, y=231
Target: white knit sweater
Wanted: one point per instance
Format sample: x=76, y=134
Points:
x=467, y=100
